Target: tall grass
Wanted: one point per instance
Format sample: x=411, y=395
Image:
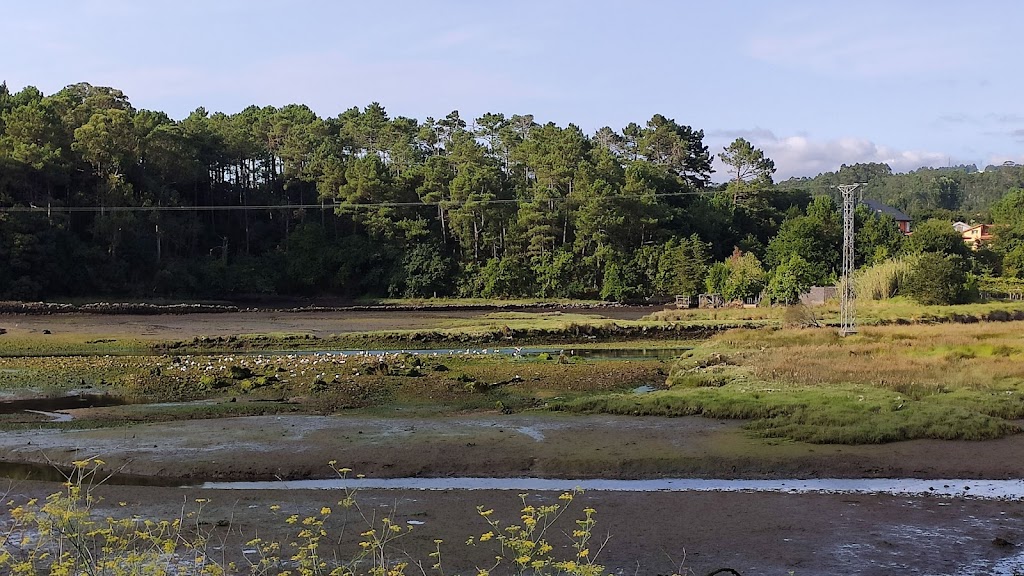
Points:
x=885, y=279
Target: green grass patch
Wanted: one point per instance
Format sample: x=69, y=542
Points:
x=884, y=384
x=849, y=415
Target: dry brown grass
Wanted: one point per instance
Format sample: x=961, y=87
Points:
x=897, y=357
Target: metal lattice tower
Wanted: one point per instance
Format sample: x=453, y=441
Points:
x=848, y=320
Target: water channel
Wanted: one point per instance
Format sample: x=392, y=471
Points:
x=950, y=488
x=57, y=403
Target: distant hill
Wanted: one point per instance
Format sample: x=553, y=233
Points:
x=962, y=192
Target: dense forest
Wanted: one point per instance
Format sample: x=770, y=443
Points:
x=98, y=198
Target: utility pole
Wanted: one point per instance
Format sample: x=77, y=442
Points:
x=848, y=320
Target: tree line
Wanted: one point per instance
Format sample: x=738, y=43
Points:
x=121, y=201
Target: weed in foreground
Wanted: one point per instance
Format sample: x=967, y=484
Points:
x=63, y=536
x=525, y=548
x=66, y=535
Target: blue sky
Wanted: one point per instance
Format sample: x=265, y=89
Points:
x=815, y=83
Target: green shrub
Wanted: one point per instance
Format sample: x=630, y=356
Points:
x=939, y=279
x=789, y=280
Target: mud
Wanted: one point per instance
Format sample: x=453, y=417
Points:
x=228, y=322
x=531, y=444
x=650, y=533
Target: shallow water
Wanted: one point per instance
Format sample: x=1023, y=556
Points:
x=588, y=353
x=54, y=473
x=60, y=403
x=54, y=416
x=982, y=489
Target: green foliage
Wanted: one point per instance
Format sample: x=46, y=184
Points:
x=426, y=272
x=937, y=236
x=494, y=207
x=1009, y=209
x=748, y=164
x=789, y=280
x=682, y=267
x=939, y=279
x=746, y=277
x=620, y=283
x=1013, y=262
x=815, y=237
x=560, y=274
x=954, y=193
x=718, y=276
x=877, y=238
x=501, y=278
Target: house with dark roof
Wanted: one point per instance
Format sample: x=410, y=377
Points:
x=902, y=220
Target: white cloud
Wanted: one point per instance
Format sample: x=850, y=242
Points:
x=801, y=155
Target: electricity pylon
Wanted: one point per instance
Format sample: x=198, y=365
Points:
x=847, y=316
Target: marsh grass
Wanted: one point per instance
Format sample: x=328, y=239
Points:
x=498, y=329
x=884, y=384
x=167, y=388
x=869, y=312
x=504, y=327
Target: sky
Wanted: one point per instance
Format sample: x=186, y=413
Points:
x=814, y=83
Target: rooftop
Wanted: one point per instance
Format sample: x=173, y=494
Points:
x=879, y=208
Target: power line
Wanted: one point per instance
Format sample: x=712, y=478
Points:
x=354, y=206
x=323, y=206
